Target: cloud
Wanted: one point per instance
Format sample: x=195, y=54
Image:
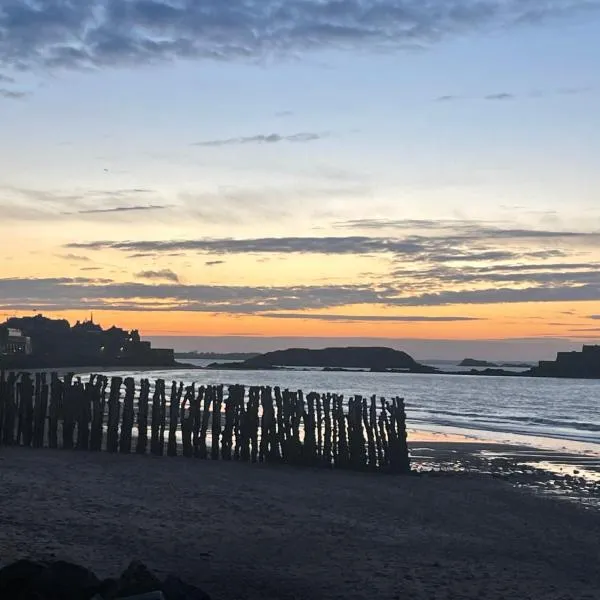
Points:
x=12, y=94
x=33, y=204
x=273, y=138
x=162, y=275
x=82, y=293
x=107, y=33
x=500, y=96
x=214, y=263
x=572, y=293
x=75, y=257
x=465, y=243
x=284, y=245
x=369, y=318
x=594, y=317
x=6, y=79
x=104, y=294
x=119, y=209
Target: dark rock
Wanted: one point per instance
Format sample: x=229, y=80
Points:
x=175, y=589
x=108, y=589
x=137, y=579
x=473, y=362
x=57, y=580
x=18, y=580
x=66, y=580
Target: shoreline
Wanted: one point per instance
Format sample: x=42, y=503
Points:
x=563, y=474
x=99, y=369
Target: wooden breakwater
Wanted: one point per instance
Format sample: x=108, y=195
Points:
x=252, y=424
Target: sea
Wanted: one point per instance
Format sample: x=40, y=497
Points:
x=561, y=414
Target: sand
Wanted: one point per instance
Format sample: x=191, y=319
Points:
x=250, y=531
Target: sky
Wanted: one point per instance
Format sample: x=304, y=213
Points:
x=398, y=170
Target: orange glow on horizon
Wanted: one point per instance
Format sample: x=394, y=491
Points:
x=496, y=322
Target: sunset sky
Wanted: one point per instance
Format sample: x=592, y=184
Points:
x=316, y=168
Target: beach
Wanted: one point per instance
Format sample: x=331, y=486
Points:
x=254, y=531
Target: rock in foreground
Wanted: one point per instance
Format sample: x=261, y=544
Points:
x=60, y=580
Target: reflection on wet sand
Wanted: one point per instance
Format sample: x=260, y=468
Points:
x=567, y=475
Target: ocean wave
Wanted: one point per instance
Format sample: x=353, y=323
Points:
x=530, y=420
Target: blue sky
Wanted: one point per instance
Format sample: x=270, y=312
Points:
x=148, y=121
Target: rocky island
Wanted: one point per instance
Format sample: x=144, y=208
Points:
x=472, y=362
x=373, y=359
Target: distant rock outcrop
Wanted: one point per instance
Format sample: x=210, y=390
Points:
x=472, y=362
x=369, y=358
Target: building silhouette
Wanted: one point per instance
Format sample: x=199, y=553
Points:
x=42, y=342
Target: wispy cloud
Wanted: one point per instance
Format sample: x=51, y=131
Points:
x=105, y=33
x=162, y=275
x=12, y=94
x=504, y=96
x=272, y=138
x=120, y=209
x=500, y=96
x=36, y=204
x=214, y=263
x=75, y=257
x=97, y=294
x=369, y=318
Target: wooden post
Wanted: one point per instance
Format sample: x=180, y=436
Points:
x=98, y=392
x=401, y=456
x=84, y=413
x=41, y=409
x=371, y=447
x=327, y=456
x=10, y=410
x=114, y=411
x=281, y=425
x=197, y=424
x=68, y=412
x=319, y=426
x=383, y=433
x=56, y=393
x=310, y=430
x=254, y=423
x=3, y=396
x=230, y=408
x=26, y=409
x=187, y=422
x=174, y=408
x=216, y=423
x=239, y=423
x=208, y=399
x=163, y=419
x=128, y=417
x=157, y=417
x=142, y=423
x=344, y=453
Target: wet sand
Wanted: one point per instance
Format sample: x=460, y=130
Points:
x=251, y=531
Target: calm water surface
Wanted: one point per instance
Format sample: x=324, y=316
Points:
x=500, y=408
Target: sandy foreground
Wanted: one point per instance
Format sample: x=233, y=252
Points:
x=252, y=531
